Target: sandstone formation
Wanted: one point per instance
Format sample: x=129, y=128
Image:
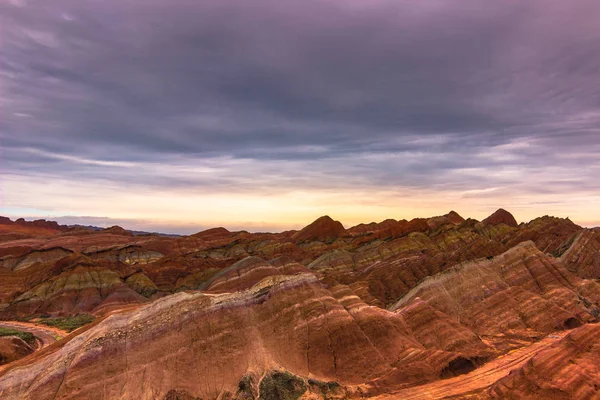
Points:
x=452, y=218
x=223, y=338
x=550, y=234
x=520, y=291
x=365, y=233
x=323, y=229
x=50, y=255
x=501, y=216
x=381, y=261
x=581, y=254
x=324, y=312
x=13, y=348
x=568, y=370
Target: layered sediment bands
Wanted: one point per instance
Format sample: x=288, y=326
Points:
x=120, y=297
x=74, y=283
x=246, y=273
x=323, y=229
x=548, y=233
x=132, y=255
x=141, y=284
x=203, y=345
x=501, y=216
x=567, y=370
x=364, y=233
x=13, y=348
x=435, y=330
x=520, y=290
x=16, y=263
x=417, y=325
x=183, y=272
x=452, y=218
x=76, y=241
x=328, y=312
x=389, y=269
x=455, y=218
x=381, y=262
x=582, y=254
x=79, y=289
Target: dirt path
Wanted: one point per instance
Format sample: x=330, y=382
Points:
x=46, y=335
x=481, y=378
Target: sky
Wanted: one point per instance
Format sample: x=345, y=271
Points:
x=179, y=115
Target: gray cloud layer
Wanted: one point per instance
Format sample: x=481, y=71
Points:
x=309, y=93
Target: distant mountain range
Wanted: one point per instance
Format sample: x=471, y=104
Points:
x=44, y=224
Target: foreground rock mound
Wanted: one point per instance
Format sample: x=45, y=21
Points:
x=382, y=308
x=568, y=370
x=204, y=346
x=13, y=348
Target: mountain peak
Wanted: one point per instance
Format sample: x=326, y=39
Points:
x=455, y=217
x=323, y=228
x=501, y=216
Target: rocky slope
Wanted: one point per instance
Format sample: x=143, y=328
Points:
x=568, y=370
x=519, y=292
x=13, y=348
x=380, y=261
x=581, y=254
x=324, y=312
x=501, y=216
x=204, y=345
x=323, y=229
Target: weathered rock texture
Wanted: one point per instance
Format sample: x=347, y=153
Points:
x=323, y=229
x=13, y=348
x=381, y=262
x=520, y=291
x=204, y=345
x=581, y=254
x=324, y=312
x=568, y=370
x=501, y=216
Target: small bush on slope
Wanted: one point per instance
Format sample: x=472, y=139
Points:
x=281, y=385
x=26, y=336
x=68, y=323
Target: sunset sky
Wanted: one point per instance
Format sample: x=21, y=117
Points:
x=179, y=115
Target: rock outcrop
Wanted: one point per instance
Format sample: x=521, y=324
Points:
x=568, y=370
x=80, y=289
x=452, y=218
x=323, y=229
x=39, y=226
x=501, y=216
x=581, y=254
x=322, y=313
x=246, y=273
x=13, y=348
x=390, y=228
x=49, y=255
x=514, y=293
x=129, y=254
x=203, y=346
x=548, y=233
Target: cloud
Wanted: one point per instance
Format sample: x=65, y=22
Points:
x=272, y=98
